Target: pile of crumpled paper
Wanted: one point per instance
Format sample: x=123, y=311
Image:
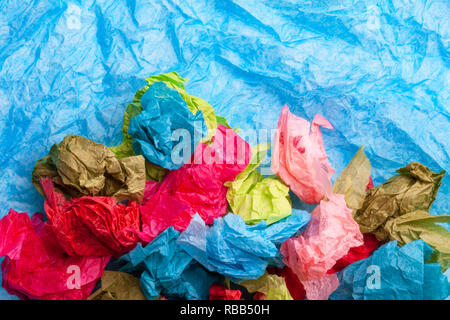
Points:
x=181, y=210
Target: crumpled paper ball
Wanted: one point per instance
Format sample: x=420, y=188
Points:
x=174, y=84
x=91, y=226
x=394, y=273
x=36, y=267
x=170, y=271
x=236, y=250
x=414, y=188
x=328, y=237
x=256, y=198
x=166, y=132
x=81, y=167
x=299, y=157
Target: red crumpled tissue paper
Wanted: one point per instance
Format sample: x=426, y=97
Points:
x=370, y=184
x=92, y=226
x=36, y=267
x=219, y=292
x=357, y=253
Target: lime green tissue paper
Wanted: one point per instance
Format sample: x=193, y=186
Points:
x=255, y=198
x=273, y=286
